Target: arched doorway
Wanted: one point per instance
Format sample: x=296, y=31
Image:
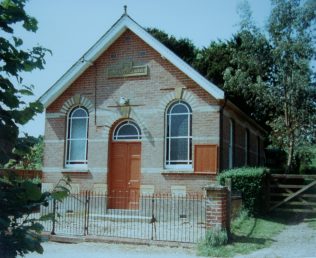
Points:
x=124, y=166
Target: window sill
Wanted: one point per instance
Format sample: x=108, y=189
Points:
x=206, y=173
x=177, y=171
x=178, y=168
x=76, y=170
x=188, y=173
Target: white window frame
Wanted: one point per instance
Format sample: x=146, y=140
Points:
x=115, y=136
x=76, y=163
x=168, y=138
x=231, y=144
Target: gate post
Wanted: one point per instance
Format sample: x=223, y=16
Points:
x=217, y=203
x=267, y=189
x=228, y=184
x=54, y=218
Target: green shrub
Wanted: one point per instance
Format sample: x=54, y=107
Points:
x=250, y=182
x=216, y=237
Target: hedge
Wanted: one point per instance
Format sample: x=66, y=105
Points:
x=251, y=183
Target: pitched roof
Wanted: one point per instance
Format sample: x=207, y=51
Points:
x=124, y=23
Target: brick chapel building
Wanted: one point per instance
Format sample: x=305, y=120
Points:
x=130, y=115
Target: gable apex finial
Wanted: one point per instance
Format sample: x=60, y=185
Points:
x=125, y=9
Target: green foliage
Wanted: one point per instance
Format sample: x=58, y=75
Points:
x=307, y=161
x=247, y=235
x=312, y=223
x=213, y=60
x=249, y=70
x=19, y=231
x=14, y=61
x=250, y=182
x=272, y=72
x=216, y=237
x=291, y=29
x=27, y=154
x=184, y=48
x=275, y=160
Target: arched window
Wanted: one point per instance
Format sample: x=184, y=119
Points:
x=178, y=143
x=231, y=144
x=127, y=130
x=77, y=137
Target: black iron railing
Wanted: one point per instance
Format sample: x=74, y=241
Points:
x=164, y=217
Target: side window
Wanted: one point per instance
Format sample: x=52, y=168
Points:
x=178, y=142
x=77, y=137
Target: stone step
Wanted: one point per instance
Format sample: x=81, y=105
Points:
x=119, y=218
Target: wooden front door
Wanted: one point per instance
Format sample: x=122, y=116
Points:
x=124, y=175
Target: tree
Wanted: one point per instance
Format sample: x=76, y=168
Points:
x=213, y=60
x=19, y=231
x=291, y=29
x=184, y=48
x=14, y=61
x=247, y=78
x=27, y=154
x=19, y=228
x=271, y=72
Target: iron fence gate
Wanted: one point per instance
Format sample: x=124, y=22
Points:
x=162, y=217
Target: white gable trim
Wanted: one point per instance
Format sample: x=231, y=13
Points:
x=125, y=22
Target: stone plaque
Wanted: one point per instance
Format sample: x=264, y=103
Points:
x=126, y=69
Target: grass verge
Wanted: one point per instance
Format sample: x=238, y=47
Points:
x=311, y=222
x=248, y=235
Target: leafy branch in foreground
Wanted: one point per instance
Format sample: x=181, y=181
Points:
x=15, y=60
x=20, y=226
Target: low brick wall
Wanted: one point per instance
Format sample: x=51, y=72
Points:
x=24, y=173
x=177, y=183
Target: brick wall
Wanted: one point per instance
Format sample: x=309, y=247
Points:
x=150, y=95
x=256, y=157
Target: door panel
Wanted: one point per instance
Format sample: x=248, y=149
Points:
x=134, y=180
x=124, y=175
x=117, y=177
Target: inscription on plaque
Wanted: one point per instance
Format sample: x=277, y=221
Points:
x=126, y=69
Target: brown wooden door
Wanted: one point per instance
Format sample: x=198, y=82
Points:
x=124, y=175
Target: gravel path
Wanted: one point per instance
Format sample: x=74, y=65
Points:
x=102, y=250
x=296, y=241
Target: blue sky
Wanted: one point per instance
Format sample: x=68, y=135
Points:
x=70, y=27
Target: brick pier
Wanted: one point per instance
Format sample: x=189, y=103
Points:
x=217, y=207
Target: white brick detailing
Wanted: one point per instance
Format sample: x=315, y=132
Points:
x=151, y=170
x=98, y=169
x=51, y=169
x=54, y=115
x=147, y=189
x=100, y=189
x=76, y=100
x=178, y=190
